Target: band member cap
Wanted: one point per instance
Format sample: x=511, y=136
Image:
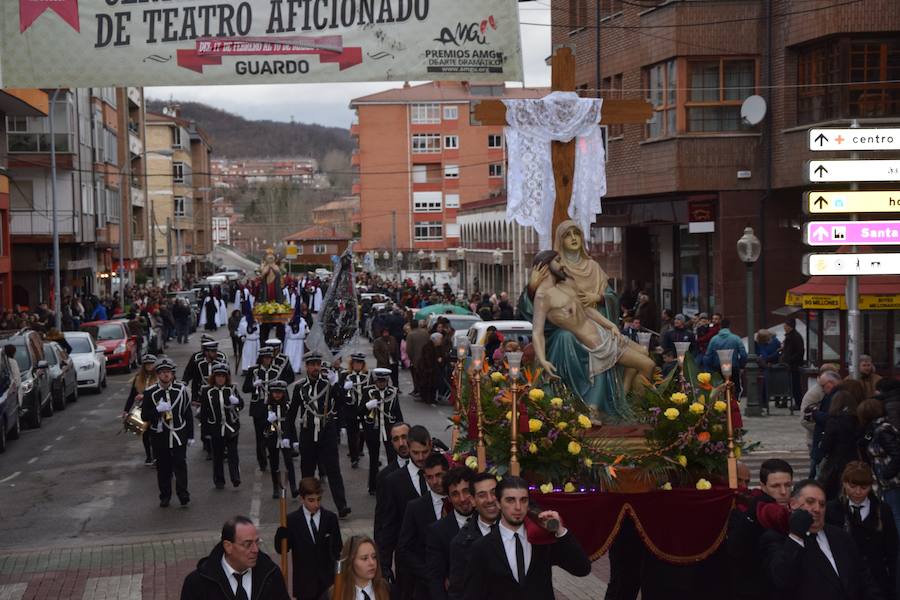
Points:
x=312, y=357
x=358, y=356
x=149, y=359
x=277, y=385
x=220, y=368
x=164, y=363
x=273, y=342
x=382, y=373
x=265, y=351
x=210, y=345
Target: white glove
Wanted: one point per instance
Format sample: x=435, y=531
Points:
x=332, y=377
x=257, y=383
x=234, y=400
x=272, y=417
x=348, y=385
x=296, y=445
x=371, y=404
x=286, y=444
x=163, y=407
x=190, y=443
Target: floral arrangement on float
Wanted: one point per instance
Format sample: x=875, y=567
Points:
x=272, y=312
x=686, y=440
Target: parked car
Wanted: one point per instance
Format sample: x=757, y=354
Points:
x=9, y=411
x=89, y=359
x=35, y=398
x=519, y=331
x=63, y=377
x=120, y=347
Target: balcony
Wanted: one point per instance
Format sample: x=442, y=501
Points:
x=138, y=198
x=135, y=145
x=134, y=94
x=139, y=248
x=354, y=130
x=30, y=222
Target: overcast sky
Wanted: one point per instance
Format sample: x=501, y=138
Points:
x=326, y=103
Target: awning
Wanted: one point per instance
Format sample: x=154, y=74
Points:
x=876, y=292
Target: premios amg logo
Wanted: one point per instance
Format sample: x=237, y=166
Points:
x=465, y=33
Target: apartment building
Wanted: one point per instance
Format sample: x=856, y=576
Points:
x=682, y=187
x=419, y=160
x=179, y=195
x=22, y=103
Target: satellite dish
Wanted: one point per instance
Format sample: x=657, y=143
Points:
x=753, y=110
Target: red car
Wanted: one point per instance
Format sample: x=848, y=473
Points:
x=120, y=348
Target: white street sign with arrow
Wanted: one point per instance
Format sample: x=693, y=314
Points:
x=854, y=139
x=853, y=170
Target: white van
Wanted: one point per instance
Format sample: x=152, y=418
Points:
x=519, y=331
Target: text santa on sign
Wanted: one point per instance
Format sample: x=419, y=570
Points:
x=96, y=43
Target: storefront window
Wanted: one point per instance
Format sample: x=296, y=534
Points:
x=831, y=335
x=694, y=268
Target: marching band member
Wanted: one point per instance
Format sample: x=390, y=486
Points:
x=167, y=408
x=293, y=341
x=318, y=405
x=280, y=435
x=220, y=408
x=280, y=361
x=379, y=410
x=354, y=382
x=197, y=373
x=256, y=383
x=248, y=331
x=142, y=380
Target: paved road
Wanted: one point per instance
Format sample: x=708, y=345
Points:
x=79, y=515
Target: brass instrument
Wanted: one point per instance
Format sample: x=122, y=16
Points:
x=133, y=422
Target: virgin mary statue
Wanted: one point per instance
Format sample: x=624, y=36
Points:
x=604, y=393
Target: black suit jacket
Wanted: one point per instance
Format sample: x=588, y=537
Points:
x=312, y=561
x=411, y=543
x=489, y=575
x=459, y=557
x=383, y=474
x=799, y=574
x=398, y=491
x=438, y=537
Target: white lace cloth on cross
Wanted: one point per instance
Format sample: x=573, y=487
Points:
x=531, y=191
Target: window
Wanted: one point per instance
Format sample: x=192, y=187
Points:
x=660, y=80
x=320, y=249
x=424, y=143
x=425, y=114
x=181, y=173
x=842, y=78
x=32, y=134
x=451, y=172
x=113, y=205
x=429, y=230
x=180, y=206
x=452, y=230
x=451, y=113
x=111, y=147
x=495, y=170
x=495, y=141
x=451, y=142
x=611, y=88
x=451, y=201
x=716, y=90
x=578, y=14
x=424, y=202
x=177, y=137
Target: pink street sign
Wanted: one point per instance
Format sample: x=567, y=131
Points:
x=840, y=233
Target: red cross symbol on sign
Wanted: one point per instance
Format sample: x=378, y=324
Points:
x=840, y=139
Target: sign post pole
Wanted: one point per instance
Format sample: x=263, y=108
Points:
x=852, y=293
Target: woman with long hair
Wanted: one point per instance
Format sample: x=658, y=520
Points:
x=143, y=379
x=360, y=577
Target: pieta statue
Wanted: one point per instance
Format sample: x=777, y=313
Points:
x=575, y=337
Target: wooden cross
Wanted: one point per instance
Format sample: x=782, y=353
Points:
x=562, y=77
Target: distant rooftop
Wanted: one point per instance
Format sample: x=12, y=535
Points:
x=447, y=91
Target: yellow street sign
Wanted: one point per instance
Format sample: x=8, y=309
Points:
x=818, y=203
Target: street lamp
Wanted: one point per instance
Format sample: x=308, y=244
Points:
x=749, y=250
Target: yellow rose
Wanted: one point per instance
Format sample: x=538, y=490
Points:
x=703, y=484
x=556, y=402
x=569, y=488
x=701, y=399
x=574, y=447
x=534, y=425
x=546, y=488
x=509, y=415
x=697, y=408
x=588, y=463
x=678, y=398
x=719, y=406
x=472, y=462
x=671, y=413
x=682, y=460
x=536, y=394
x=737, y=451
x=704, y=378
x=497, y=377
x=562, y=425
x=532, y=448
x=584, y=421
x=666, y=486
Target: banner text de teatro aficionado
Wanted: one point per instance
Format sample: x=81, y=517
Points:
x=84, y=43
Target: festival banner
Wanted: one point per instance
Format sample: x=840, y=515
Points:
x=101, y=43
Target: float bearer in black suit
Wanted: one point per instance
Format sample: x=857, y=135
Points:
x=314, y=540
x=506, y=565
x=167, y=408
x=317, y=403
x=420, y=514
x=815, y=561
x=439, y=535
x=483, y=489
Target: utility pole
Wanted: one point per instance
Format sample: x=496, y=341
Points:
x=57, y=293
x=852, y=293
x=168, y=250
x=153, y=232
x=394, y=243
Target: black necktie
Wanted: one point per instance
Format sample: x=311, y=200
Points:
x=240, y=593
x=364, y=594
x=857, y=514
x=315, y=530
x=520, y=559
x=423, y=487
